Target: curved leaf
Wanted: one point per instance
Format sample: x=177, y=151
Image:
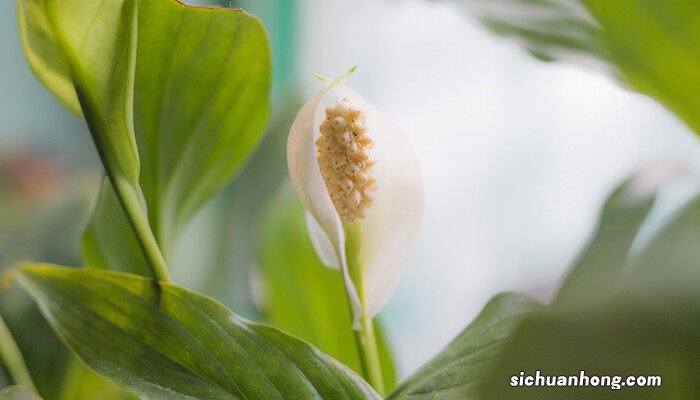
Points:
x=201, y=102
x=652, y=45
x=619, y=314
x=600, y=265
x=176, y=98
x=549, y=29
x=86, y=51
x=18, y=393
x=44, y=54
x=165, y=342
x=459, y=368
x=304, y=297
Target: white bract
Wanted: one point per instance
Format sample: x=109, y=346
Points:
x=355, y=171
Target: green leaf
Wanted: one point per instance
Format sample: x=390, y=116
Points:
x=41, y=231
x=165, y=342
x=460, y=367
x=44, y=54
x=302, y=296
x=176, y=98
x=654, y=46
x=89, y=47
x=549, y=29
x=621, y=313
x=201, y=102
x=624, y=336
x=18, y=393
x=600, y=267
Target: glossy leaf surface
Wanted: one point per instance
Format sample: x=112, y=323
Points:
x=164, y=342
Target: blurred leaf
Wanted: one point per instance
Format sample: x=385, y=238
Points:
x=82, y=383
x=302, y=296
x=654, y=46
x=639, y=318
x=4, y=378
x=600, y=267
x=162, y=341
x=236, y=248
x=48, y=231
x=549, y=29
x=18, y=393
x=622, y=337
x=458, y=369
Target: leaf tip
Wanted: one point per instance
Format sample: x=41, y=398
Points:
x=21, y=272
x=9, y=275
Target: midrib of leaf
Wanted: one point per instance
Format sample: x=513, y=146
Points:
x=136, y=299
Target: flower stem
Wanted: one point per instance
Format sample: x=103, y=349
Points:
x=12, y=359
x=369, y=354
x=364, y=333
x=131, y=205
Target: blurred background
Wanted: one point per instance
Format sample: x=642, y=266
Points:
x=517, y=156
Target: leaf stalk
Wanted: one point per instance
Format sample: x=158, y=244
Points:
x=365, y=338
x=12, y=359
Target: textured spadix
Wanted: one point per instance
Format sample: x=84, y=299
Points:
x=389, y=223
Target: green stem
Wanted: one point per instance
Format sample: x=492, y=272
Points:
x=138, y=220
x=369, y=354
x=364, y=333
x=12, y=359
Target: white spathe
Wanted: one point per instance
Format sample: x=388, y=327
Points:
x=391, y=224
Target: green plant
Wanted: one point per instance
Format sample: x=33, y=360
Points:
x=176, y=99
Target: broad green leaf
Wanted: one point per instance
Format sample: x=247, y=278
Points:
x=653, y=45
x=202, y=81
x=623, y=336
x=656, y=44
x=18, y=393
x=165, y=342
x=640, y=318
x=89, y=47
x=302, y=296
x=201, y=102
x=460, y=367
x=181, y=90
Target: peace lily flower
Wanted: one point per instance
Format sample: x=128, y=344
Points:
x=358, y=178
